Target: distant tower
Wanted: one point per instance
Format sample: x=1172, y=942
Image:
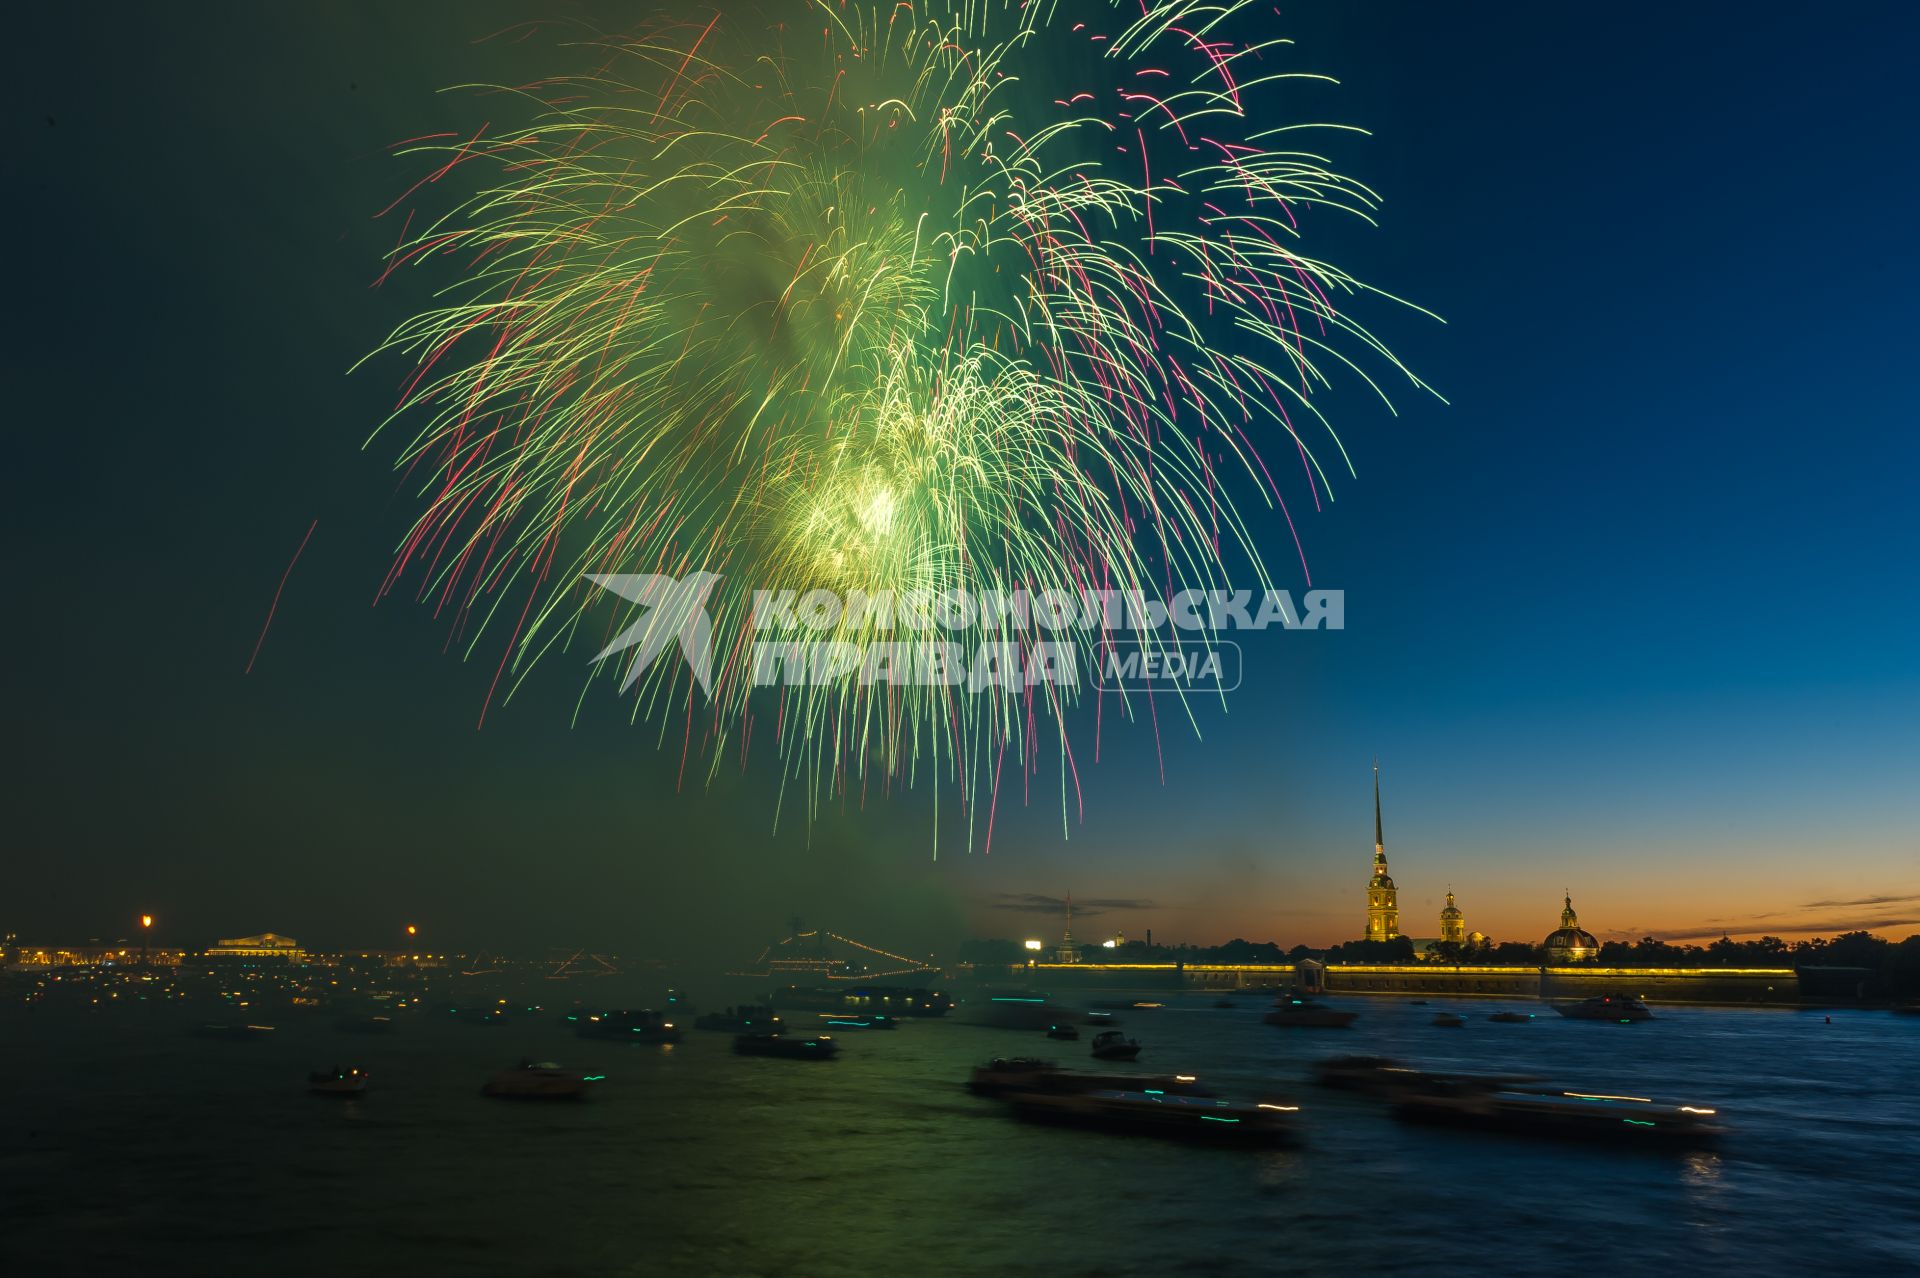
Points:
x=1383, y=901
x=1067, y=953
x=1453, y=924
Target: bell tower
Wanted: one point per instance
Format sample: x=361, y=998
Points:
x=1383, y=900
x=1453, y=924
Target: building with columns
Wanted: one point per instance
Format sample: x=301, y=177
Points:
x=1453, y=924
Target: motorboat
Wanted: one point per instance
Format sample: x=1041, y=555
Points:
x=351, y=1081
x=1181, y=1117
x=847, y=1020
x=1001, y=1077
x=1065, y=1033
x=539, y=1080
x=236, y=1033
x=1296, y=1012
x=748, y=1018
x=1511, y=1018
x=1386, y=1076
x=1016, y=1012
x=644, y=1026
x=1111, y=1045
x=1448, y=1020
x=484, y=1014
x=895, y=1000
x=1575, y=1115
x=796, y=1047
x=1624, y=1008
x=1373, y=1074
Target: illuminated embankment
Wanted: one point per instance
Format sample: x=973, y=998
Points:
x=1663, y=984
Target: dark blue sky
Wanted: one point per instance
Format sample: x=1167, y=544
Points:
x=1633, y=615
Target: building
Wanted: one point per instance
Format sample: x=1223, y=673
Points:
x=1453, y=924
x=265, y=945
x=1568, y=943
x=92, y=954
x=1383, y=900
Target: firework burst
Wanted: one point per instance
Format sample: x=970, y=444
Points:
x=869, y=297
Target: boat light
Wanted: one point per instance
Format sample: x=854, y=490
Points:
x=1183, y=1078
x=1636, y=1122
x=1285, y=1109
x=1215, y=1118
x=1594, y=1096
x=1688, y=1109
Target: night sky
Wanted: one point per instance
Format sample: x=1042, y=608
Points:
x=1632, y=616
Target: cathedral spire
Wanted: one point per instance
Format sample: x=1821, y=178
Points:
x=1383, y=902
x=1379, y=842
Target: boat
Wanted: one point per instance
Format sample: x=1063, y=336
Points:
x=798, y=1047
x=1448, y=1020
x=484, y=1014
x=1015, y=1012
x=364, y=1024
x=1385, y=1076
x=1296, y=1012
x=1001, y=1077
x=1065, y=1033
x=644, y=1026
x=233, y=1032
x=1511, y=1018
x=847, y=1020
x=748, y=1018
x=338, y=1082
x=1177, y=1116
x=539, y=1080
x=1624, y=1008
x=895, y=1000
x=1111, y=1045
x=1101, y=1018
x=1575, y=1115
x=1376, y=1074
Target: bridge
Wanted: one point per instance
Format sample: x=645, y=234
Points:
x=819, y=954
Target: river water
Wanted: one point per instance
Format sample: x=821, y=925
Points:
x=130, y=1147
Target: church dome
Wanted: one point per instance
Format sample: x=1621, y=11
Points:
x=1570, y=943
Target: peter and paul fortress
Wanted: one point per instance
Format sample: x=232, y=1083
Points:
x=1383, y=900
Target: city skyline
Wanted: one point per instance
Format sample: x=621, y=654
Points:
x=1588, y=626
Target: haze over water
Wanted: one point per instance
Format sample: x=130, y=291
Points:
x=130, y=1144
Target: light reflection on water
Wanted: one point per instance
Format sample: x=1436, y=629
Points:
x=144, y=1147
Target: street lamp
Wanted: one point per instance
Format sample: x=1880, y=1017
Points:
x=146, y=926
